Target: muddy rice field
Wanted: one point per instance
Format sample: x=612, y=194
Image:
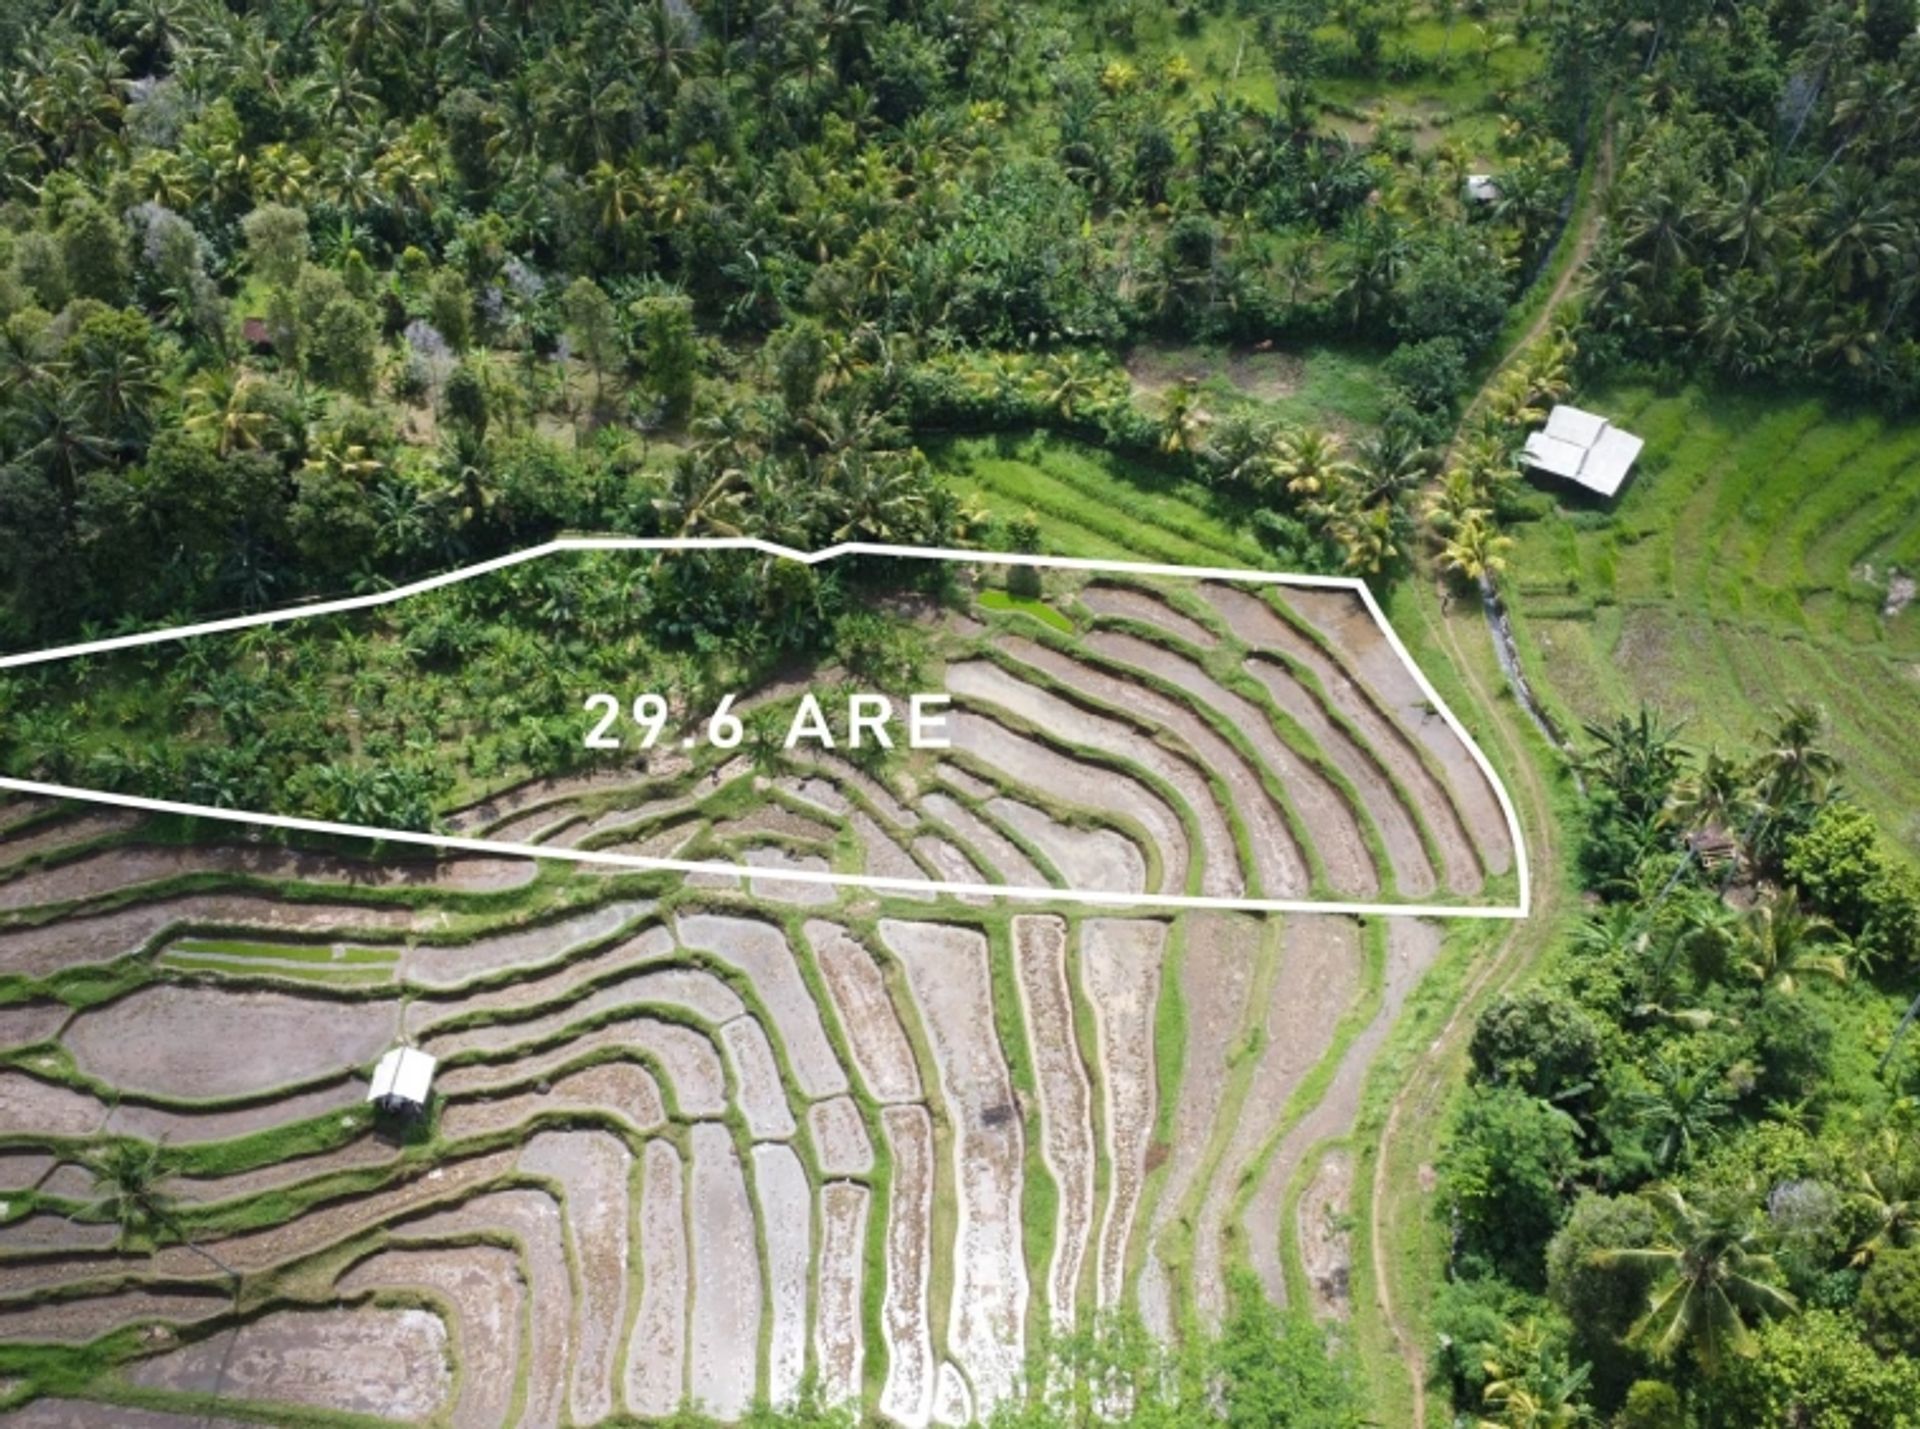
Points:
x=694, y=1142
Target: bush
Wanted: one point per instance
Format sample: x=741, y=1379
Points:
x=1538, y=1040
x=1817, y=1369
x=1428, y=374
x=1509, y=1162
x=1889, y=1302
x=1842, y=864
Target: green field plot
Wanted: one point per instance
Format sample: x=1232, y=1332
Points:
x=1757, y=557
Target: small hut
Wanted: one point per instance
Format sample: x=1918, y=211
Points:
x=1583, y=448
x=402, y=1082
x=1482, y=188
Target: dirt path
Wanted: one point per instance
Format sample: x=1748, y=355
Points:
x=1415, y=1110
x=1584, y=240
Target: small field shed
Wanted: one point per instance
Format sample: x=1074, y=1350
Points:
x=402, y=1081
x=1583, y=448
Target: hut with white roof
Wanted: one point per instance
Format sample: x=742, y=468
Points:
x=402, y=1081
x=1585, y=449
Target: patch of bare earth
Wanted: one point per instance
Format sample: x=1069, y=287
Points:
x=686, y=1064
x=786, y=1210
x=591, y=1169
x=1277, y=860
x=1346, y=624
x=947, y=972
x=391, y=1363
x=482, y=1285
x=727, y=1294
x=1085, y=858
x=1216, y=979
x=656, y=1353
x=532, y=1218
x=837, y=1337
x=71, y=941
x=761, y=1097
x=1120, y=963
x=980, y=682
x=885, y=858
x=760, y=951
x=1411, y=949
x=81, y=1414
x=64, y=833
x=426, y=1011
x=1008, y=864
x=204, y=1044
x=358, y=1154
x=881, y=1052
x=450, y=965
x=840, y=1143
x=620, y=1090
x=1326, y=1243
x=907, y=1396
x=683, y=989
x=1259, y=626
x=78, y=1320
x=1318, y=975
x=1066, y=1101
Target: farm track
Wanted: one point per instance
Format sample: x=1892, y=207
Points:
x=710, y=1139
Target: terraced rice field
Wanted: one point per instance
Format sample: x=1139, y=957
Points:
x=696, y=1140
x=1764, y=552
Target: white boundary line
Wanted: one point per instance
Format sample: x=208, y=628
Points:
x=751, y=871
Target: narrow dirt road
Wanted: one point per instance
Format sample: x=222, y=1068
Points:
x=1414, y=1113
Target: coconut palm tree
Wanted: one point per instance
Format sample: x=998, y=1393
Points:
x=1713, y=1277
x=1530, y=1383
x=1781, y=944
x=126, y=1187
x=1310, y=462
x=1477, y=552
x=1888, y=1188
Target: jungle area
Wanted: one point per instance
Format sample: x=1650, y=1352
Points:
x=309, y=299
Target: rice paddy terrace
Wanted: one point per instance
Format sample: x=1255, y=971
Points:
x=696, y=1141
x=1767, y=552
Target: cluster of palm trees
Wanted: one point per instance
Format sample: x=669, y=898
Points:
x=1789, y=247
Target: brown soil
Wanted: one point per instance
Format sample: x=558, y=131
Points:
x=103, y=937
x=591, y=1169
x=773, y=819
x=946, y=968
x=115, y=870
x=1084, y=858
x=1275, y=853
x=363, y=1151
x=840, y=1143
x=533, y=1219
x=907, y=1396
x=1120, y=964
x=79, y=1414
x=1329, y=820
x=971, y=785
x=544, y=791
x=1009, y=864
x=531, y=947
x=429, y=1010
x=758, y=950
x=1326, y=1245
x=949, y=865
x=656, y=1353
x=817, y=792
x=1130, y=604
x=29, y=1107
x=980, y=682
x=25, y=1023
x=838, y=1342
x=727, y=1294
x=1411, y=948
x=880, y=1048
x=64, y=833
x=331, y=1224
x=622, y=1090
x=688, y=989
x=76, y=1321
x=191, y=1127
x=789, y=890
x=786, y=1211
x=1319, y=973
x=757, y=1090
x=687, y=1061
x=1066, y=1101
x=1351, y=629
x=482, y=1285
x=366, y=1361
x=1256, y=623
x=205, y=1044
x=22, y=1170
x=1216, y=980
x=884, y=857
x=952, y=1404
x=46, y=1230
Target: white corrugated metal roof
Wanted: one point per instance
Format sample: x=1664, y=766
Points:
x=405, y=1073
x=1584, y=448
